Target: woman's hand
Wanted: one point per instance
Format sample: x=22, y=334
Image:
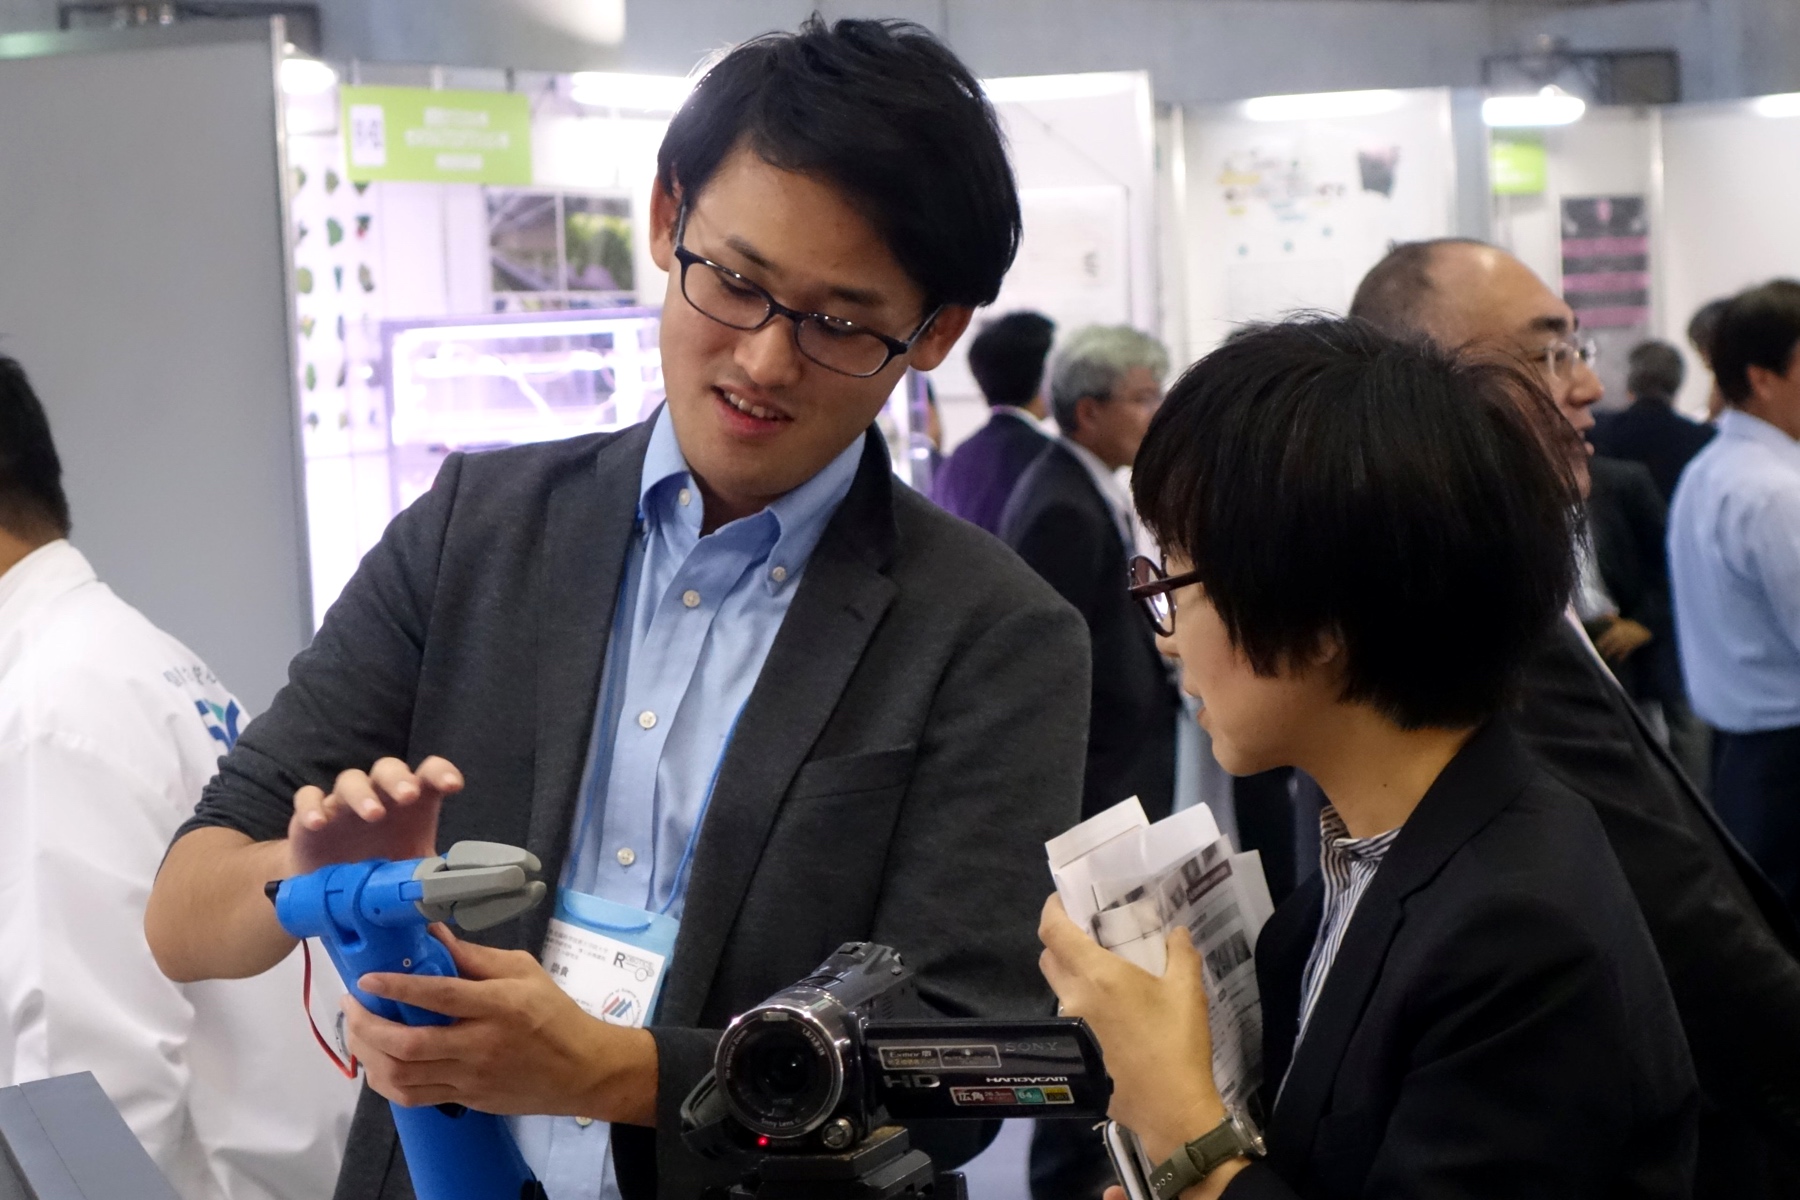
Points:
x=1152, y=1030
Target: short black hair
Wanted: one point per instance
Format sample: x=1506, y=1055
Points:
x=1418, y=505
x=1007, y=357
x=1654, y=369
x=883, y=110
x=1704, y=323
x=1759, y=328
x=32, y=505
x=1394, y=294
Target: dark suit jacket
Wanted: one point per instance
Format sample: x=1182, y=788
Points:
x=1495, y=1022
x=1060, y=524
x=978, y=478
x=1727, y=941
x=1653, y=433
x=1629, y=521
x=914, y=737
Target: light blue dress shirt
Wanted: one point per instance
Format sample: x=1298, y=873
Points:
x=1734, y=563
x=695, y=620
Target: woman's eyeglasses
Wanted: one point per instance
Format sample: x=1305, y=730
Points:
x=1151, y=586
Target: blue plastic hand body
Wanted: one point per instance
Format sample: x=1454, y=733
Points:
x=366, y=916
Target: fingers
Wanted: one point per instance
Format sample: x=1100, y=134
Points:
x=390, y=782
x=474, y=961
x=459, y=998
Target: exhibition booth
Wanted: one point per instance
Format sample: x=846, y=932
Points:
x=274, y=294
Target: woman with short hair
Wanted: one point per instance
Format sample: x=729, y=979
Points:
x=1365, y=539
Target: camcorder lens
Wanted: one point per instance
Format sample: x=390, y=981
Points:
x=781, y=1078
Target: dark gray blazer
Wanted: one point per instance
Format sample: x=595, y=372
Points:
x=915, y=736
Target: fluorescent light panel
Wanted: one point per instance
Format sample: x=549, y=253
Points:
x=1551, y=106
x=1313, y=106
x=306, y=77
x=607, y=89
x=1787, y=104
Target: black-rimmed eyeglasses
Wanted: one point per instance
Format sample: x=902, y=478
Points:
x=722, y=294
x=1151, y=586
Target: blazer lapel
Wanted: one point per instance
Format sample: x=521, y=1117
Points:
x=842, y=598
x=587, y=525
x=1481, y=780
x=1281, y=952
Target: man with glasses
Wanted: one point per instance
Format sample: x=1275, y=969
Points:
x=743, y=695
x=1726, y=940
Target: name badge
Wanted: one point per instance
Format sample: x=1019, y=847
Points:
x=609, y=957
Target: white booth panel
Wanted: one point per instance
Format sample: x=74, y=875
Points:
x=1290, y=214
x=146, y=291
x=1730, y=177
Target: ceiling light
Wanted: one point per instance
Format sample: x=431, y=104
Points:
x=1787, y=104
x=1313, y=106
x=1551, y=106
x=306, y=77
x=650, y=93
x=1023, y=89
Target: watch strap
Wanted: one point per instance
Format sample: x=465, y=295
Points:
x=1199, y=1158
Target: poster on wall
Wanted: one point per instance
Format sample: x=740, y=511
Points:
x=1288, y=214
x=425, y=135
x=1606, y=277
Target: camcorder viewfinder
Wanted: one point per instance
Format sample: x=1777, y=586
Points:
x=830, y=1066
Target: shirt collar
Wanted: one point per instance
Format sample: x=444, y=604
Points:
x=789, y=528
x=1743, y=426
x=1025, y=415
x=1335, y=840
x=1115, y=495
x=50, y=571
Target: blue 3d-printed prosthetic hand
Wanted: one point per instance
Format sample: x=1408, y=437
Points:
x=372, y=916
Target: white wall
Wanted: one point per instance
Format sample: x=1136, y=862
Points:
x=1730, y=182
x=1278, y=215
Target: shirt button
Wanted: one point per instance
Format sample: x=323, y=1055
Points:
x=691, y=598
x=684, y=497
x=584, y=1122
x=646, y=720
x=626, y=856
x=778, y=574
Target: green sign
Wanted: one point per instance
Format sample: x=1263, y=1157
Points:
x=1517, y=165
x=419, y=135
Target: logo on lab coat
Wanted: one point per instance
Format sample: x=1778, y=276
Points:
x=222, y=723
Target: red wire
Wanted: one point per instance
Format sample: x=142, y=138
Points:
x=306, y=1002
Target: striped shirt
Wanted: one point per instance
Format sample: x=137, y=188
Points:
x=1347, y=866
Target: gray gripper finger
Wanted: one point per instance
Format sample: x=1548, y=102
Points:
x=484, y=914
x=474, y=883
x=464, y=855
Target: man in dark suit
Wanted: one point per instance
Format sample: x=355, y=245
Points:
x=1071, y=520
x=1651, y=431
x=1007, y=360
x=1627, y=522
x=1727, y=944
x=716, y=671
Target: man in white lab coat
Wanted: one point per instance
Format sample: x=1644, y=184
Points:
x=109, y=728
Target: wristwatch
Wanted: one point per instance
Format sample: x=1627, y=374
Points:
x=1236, y=1135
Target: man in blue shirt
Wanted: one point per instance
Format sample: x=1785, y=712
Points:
x=744, y=695
x=1734, y=555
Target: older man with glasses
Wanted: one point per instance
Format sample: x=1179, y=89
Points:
x=1727, y=942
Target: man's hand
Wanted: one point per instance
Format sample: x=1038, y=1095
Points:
x=520, y=1045
x=390, y=811
x=1153, y=1034
x=1621, y=639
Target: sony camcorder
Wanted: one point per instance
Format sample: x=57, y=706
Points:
x=843, y=1055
